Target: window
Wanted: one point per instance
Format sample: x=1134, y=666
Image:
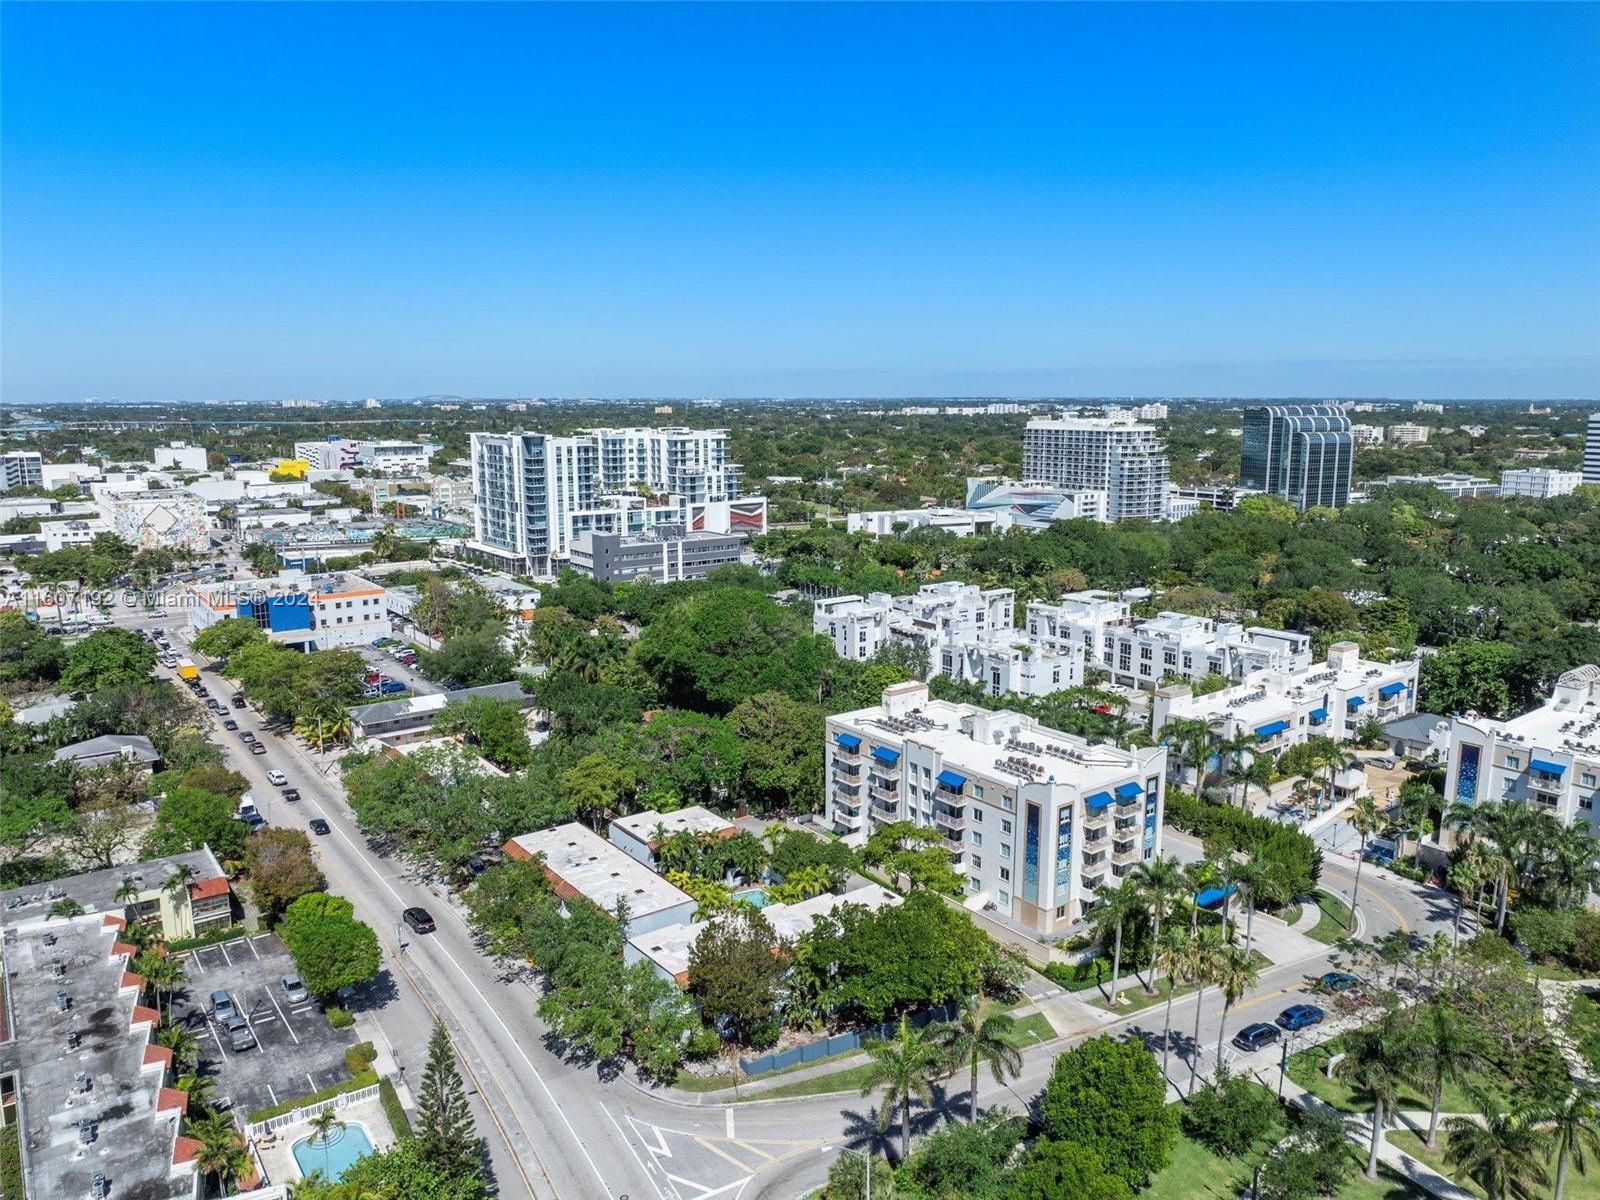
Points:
x=1005, y=898
x=977, y=815
x=1005, y=826
x=1061, y=911
x=977, y=862
x=977, y=790
x=1005, y=849
x=1588, y=779
x=977, y=838
x=1005, y=874
x=1586, y=803
x=1513, y=761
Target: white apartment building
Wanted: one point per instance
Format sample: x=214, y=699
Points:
x=1456, y=484
x=534, y=493
x=21, y=468
x=969, y=634
x=959, y=521
x=1540, y=483
x=1140, y=653
x=1591, y=450
x=343, y=454
x=1548, y=759
x=1034, y=819
x=1407, y=434
x=1285, y=708
x=1367, y=435
x=179, y=456
x=1124, y=459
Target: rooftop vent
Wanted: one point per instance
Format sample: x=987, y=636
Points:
x=73, y=1038
x=82, y=1083
x=86, y=1132
x=99, y=1189
x=63, y=1001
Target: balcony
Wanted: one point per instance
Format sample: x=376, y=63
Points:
x=879, y=778
x=1092, y=881
x=1124, y=853
x=1097, y=819
x=884, y=803
x=852, y=777
x=1126, y=825
x=843, y=817
x=952, y=820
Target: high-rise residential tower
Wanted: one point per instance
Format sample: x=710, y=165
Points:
x=1302, y=452
x=1124, y=459
x=1591, y=450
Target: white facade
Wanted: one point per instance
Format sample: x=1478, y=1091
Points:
x=1034, y=819
x=1541, y=483
x=1126, y=460
x=305, y=612
x=1140, y=653
x=1035, y=505
x=59, y=534
x=1548, y=759
x=21, y=468
x=1451, y=483
x=579, y=862
x=390, y=457
x=959, y=521
x=1591, y=450
x=1284, y=709
x=1406, y=434
x=639, y=835
x=180, y=456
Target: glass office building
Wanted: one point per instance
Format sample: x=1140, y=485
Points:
x=1302, y=452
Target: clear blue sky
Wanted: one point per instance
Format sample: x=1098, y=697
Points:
x=213, y=201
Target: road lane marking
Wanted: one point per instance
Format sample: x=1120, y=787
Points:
x=628, y=1142
x=274, y=1002
x=729, y=1112
x=706, y=1143
x=753, y=1149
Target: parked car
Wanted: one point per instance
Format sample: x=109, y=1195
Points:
x=1300, y=1016
x=390, y=686
x=246, y=736
x=1337, y=981
x=420, y=920
x=291, y=794
x=1253, y=1037
x=239, y=1035
x=237, y=701
x=1384, y=761
x=231, y=725
x=222, y=1006
x=257, y=748
x=319, y=827
x=277, y=778
x=293, y=990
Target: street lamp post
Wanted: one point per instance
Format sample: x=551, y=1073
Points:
x=866, y=1157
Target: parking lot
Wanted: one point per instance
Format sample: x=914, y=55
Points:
x=382, y=661
x=296, y=1052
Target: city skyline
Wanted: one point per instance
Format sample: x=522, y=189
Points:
x=1249, y=201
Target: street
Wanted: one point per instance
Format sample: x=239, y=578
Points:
x=557, y=1128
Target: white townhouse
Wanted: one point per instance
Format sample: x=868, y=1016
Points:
x=1034, y=819
x=1548, y=759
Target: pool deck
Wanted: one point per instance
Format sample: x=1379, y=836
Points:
x=277, y=1154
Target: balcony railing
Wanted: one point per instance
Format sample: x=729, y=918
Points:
x=851, y=820
x=885, y=803
x=1092, y=881
x=1097, y=819
x=950, y=819
x=1125, y=853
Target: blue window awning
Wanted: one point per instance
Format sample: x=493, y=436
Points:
x=1318, y=715
x=1392, y=689
x=1271, y=728
x=1354, y=702
x=1548, y=767
x=848, y=740
x=1127, y=791
x=951, y=780
x=1212, y=895
x=1098, y=800
x=885, y=755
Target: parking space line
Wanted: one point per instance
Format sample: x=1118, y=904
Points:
x=244, y=1015
x=273, y=1094
x=197, y=961
x=211, y=1026
x=274, y=1001
x=251, y=942
x=312, y=1082
x=223, y=947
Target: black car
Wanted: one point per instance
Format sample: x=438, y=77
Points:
x=290, y=794
x=237, y=701
x=230, y=725
x=319, y=826
x=1253, y=1037
x=420, y=920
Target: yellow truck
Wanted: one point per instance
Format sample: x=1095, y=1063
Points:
x=187, y=669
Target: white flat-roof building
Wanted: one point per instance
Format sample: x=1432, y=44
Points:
x=390, y=457
x=579, y=862
x=168, y=518
x=179, y=456
x=640, y=834
x=1286, y=708
x=1034, y=819
x=21, y=468
x=1548, y=759
x=1035, y=505
x=1141, y=652
x=1541, y=483
x=1126, y=460
x=668, y=949
x=308, y=612
x=1451, y=483
x=961, y=522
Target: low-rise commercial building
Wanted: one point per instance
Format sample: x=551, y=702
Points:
x=390, y=457
x=961, y=522
x=400, y=722
x=155, y=518
x=579, y=862
x=1548, y=759
x=1034, y=819
x=1285, y=708
x=666, y=554
x=1452, y=483
x=305, y=612
x=1034, y=505
x=179, y=456
x=108, y=749
x=1539, y=483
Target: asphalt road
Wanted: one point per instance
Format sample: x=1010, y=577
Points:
x=555, y=1127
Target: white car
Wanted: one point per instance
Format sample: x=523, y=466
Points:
x=277, y=778
x=98, y=619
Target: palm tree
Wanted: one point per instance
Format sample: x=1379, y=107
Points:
x=979, y=1035
x=200, y=1089
x=1302, y=795
x=164, y=973
x=1205, y=951
x=1235, y=755
x=1191, y=739
x=1575, y=1122
x=901, y=1067
x=1367, y=819
x=183, y=1044
x=1235, y=974
x=1374, y=1062
x=1158, y=885
x=323, y=1126
x=1113, y=906
x=127, y=894
x=1444, y=1051
x=222, y=1152
x=1467, y=877
x=1503, y=1152
x=1172, y=959
x=1197, y=877
x=178, y=882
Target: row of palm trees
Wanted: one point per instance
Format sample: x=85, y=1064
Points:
x=1236, y=761
x=1511, y=846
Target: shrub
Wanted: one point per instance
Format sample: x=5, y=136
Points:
x=1264, y=839
x=1109, y=1096
x=359, y=1057
x=354, y=1084
x=339, y=1016
x=1586, y=940
x=399, y=1123
x=1547, y=932
x=1231, y=1115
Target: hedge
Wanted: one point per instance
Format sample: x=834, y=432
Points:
x=223, y=933
x=354, y=1084
x=1263, y=838
x=399, y=1123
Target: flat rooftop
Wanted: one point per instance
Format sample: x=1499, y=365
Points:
x=133, y=1119
x=381, y=713
x=97, y=890
x=582, y=863
x=649, y=826
x=1573, y=728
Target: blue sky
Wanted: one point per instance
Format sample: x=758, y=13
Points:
x=229, y=200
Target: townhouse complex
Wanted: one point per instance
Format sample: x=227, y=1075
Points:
x=1034, y=819
x=1548, y=758
x=535, y=493
x=1281, y=709
x=969, y=634
x=1142, y=652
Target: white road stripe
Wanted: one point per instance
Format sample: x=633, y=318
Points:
x=274, y=1001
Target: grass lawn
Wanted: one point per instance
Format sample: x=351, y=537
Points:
x=1579, y=1187
x=1306, y=1069
x=1556, y=971
x=1197, y=1174
x=1585, y=1027
x=850, y=1079
x=1029, y=1029
x=1289, y=913
x=1135, y=999
x=1334, y=922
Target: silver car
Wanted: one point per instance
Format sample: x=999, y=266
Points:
x=239, y=1035
x=294, y=990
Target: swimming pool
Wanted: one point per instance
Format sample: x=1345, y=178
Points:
x=345, y=1144
x=756, y=896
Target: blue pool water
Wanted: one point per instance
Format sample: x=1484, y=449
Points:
x=755, y=896
x=344, y=1146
